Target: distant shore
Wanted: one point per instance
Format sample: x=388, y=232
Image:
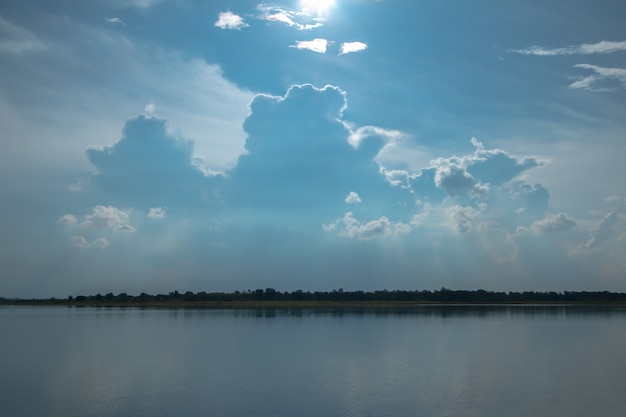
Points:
x=270, y=298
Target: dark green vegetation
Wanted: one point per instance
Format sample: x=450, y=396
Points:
x=272, y=298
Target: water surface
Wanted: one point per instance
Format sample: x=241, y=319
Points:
x=427, y=361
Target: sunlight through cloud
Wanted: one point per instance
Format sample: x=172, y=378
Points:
x=317, y=7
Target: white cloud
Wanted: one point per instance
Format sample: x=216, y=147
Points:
x=615, y=199
x=156, y=213
x=350, y=227
x=230, y=20
x=100, y=242
x=316, y=45
x=554, y=223
x=302, y=20
x=603, y=47
x=68, y=219
x=353, y=198
x=102, y=217
x=461, y=218
x=81, y=242
x=115, y=20
x=602, y=230
x=602, y=74
x=349, y=47
x=357, y=136
x=149, y=108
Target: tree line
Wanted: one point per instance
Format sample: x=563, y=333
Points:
x=443, y=295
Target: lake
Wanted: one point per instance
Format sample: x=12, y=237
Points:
x=425, y=361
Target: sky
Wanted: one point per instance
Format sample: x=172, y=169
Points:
x=161, y=145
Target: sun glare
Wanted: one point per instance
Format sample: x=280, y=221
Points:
x=317, y=7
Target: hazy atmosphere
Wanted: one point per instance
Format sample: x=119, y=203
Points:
x=159, y=145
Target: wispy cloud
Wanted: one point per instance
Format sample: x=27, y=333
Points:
x=316, y=45
x=16, y=39
x=603, y=47
x=230, y=20
x=115, y=20
x=349, y=47
x=601, y=75
x=301, y=20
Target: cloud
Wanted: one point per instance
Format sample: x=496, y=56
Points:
x=602, y=230
x=230, y=20
x=461, y=217
x=68, y=219
x=387, y=135
x=349, y=47
x=554, y=223
x=115, y=20
x=298, y=154
x=81, y=242
x=156, y=213
x=148, y=167
x=109, y=217
x=316, y=45
x=102, y=218
x=352, y=228
x=140, y=4
x=15, y=39
x=472, y=174
x=353, y=198
x=602, y=76
x=603, y=47
x=69, y=70
x=302, y=20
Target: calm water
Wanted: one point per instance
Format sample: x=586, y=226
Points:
x=426, y=362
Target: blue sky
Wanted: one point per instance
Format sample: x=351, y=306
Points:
x=154, y=145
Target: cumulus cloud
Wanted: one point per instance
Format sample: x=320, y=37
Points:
x=470, y=175
x=554, y=223
x=601, y=78
x=102, y=217
x=230, y=20
x=349, y=47
x=109, y=217
x=602, y=47
x=353, y=198
x=316, y=45
x=148, y=167
x=350, y=227
x=298, y=155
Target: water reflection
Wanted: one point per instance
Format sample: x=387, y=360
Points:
x=431, y=360
x=441, y=311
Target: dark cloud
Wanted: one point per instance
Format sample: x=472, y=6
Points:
x=298, y=155
x=149, y=168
